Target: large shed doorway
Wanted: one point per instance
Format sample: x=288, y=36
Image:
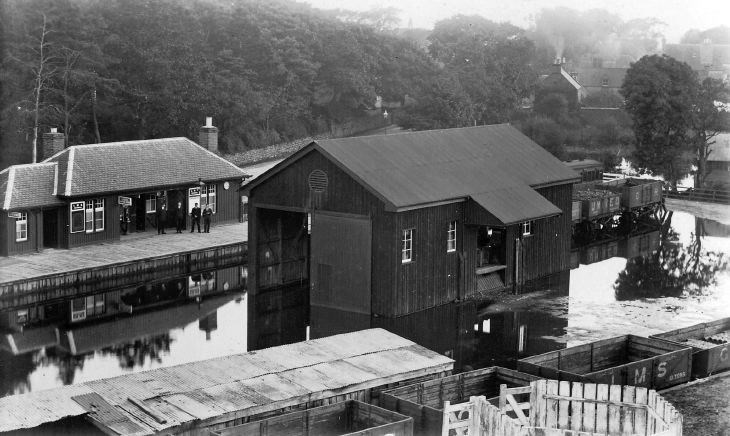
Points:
x=340, y=262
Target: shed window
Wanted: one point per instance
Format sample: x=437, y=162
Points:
x=604, y=82
x=407, y=251
x=451, y=237
x=77, y=216
x=87, y=216
x=207, y=196
x=526, y=228
x=21, y=227
x=99, y=215
x=150, y=203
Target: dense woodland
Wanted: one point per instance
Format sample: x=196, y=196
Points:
x=275, y=70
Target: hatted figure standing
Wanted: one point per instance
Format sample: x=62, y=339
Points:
x=207, y=214
x=195, y=214
x=161, y=220
x=180, y=218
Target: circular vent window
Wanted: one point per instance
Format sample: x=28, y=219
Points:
x=318, y=181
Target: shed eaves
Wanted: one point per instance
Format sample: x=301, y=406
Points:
x=415, y=168
x=515, y=204
x=136, y=165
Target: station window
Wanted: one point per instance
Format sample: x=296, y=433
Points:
x=526, y=228
x=604, y=82
x=451, y=237
x=150, y=203
x=21, y=227
x=207, y=195
x=407, y=250
x=87, y=216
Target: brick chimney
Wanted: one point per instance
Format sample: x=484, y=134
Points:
x=208, y=137
x=53, y=142
x=558, y=65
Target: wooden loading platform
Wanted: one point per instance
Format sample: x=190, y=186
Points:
x=211, y=395
x=27, y=279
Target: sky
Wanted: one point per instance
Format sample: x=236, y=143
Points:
x=680, y=15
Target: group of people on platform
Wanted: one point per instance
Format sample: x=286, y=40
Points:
x=195, y=215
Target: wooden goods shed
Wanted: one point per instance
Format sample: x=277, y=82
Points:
x=710, y=342
x=623, y=360
x=395, y=224
x=198, y=397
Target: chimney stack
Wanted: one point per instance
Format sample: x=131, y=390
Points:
x=53, y=142
x=208, y=137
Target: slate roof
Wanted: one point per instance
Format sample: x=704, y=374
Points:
x=28, y=186
x=721, y=148
x=415, y=169
x=135, y=165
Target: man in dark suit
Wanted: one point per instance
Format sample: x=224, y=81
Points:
x=180, y=218
x=195, y=214
x=207, y=215
x=161, y=220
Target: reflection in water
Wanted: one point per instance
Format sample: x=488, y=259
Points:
x=182, y=319
x=672, y=269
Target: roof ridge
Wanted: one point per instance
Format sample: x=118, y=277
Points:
x=29, y=165
x=136, y=141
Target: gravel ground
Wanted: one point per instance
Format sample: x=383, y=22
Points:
x=705, y=405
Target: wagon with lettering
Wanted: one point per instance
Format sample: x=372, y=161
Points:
x=424, y=401
x=623, y=360
x=710, y=342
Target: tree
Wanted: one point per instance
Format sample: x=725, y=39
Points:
x=444, y=104
x=660, y=94
x=711, y=117
x=547, y=132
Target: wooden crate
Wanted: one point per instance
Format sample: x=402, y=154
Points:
x=424, y=401
x=709, y=353
x=623, y=360
x=348, y=417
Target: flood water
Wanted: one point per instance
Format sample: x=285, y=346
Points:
x=672, y=278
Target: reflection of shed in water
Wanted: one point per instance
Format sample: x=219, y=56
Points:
x=394, y=224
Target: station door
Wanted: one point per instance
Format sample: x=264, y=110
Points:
x=340, y=262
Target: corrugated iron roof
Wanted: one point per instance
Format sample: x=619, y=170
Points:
x=135, y=165
x=418, y=168
x=28, y=186
x=248, y=384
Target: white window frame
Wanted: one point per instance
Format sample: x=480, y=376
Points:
x=98, y=209
x=21, y=227
x=80, y=209
x=451, y=237
x=407, y=246
x=526, y=228
x=604, y=82
x=150, y=203
x=89, y=216
x=209, y=194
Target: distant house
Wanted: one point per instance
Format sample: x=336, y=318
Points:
x=600, y=80
x=718, y=163
x=92, y=193
x=559, y=81
x=708, y=59
x=394, y=224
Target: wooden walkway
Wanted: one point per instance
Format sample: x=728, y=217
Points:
x=131, y=247
x=225, y=391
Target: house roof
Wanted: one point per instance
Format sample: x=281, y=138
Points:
x=29, y=186
x=593, y=77
x=415, y=169
x=721, y=148
x=135, y=165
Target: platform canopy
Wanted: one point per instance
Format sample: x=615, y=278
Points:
x=229, y=387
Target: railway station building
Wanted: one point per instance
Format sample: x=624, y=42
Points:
x=86, y=194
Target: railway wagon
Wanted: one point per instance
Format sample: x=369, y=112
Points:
x=710, y=344
x=349, y=417
x=623, y=360
x=639, y=245
x=424, y=401
x=636, y=193
x=595, y=203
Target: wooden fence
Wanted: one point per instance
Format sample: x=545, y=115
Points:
x=706, y=195
x=566, y=409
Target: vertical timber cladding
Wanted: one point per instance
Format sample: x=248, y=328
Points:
x=434, y=276
x=547, y=250
x=340, y=263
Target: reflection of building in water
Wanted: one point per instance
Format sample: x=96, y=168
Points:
x=634, y=245
x=132, y=323
x=277, y=316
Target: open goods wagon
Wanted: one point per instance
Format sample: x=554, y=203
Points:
x=345, y=418
x=623, y=360
x=636, y=193
x=710, y=344
x=424, y=401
